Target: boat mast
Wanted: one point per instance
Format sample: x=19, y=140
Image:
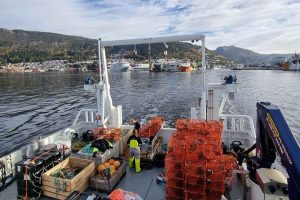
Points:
x=203, y=99
x=99, y=55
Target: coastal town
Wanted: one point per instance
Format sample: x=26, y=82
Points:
x=216, y=62
x=47, y=66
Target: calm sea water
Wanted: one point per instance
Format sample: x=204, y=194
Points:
x=38, y=104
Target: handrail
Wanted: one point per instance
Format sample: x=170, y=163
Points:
x=240, y=128
x=89, y=115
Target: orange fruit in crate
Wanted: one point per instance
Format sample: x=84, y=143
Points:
x=117, y=164
x=106, y=164
x=101, y=168
x=112, y=172
x=112, y=167
x=111, y=161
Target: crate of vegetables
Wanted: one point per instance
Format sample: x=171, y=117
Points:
x=109, y=175
x=71, y=174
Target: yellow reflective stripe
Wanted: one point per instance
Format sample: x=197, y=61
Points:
x=133, y=144
x=110, y=144
x=94, y=149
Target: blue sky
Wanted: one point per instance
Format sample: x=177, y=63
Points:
x=265, y=26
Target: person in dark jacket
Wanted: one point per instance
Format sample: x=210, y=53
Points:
x=136, y=125
x=134, y=141
x=100, y=145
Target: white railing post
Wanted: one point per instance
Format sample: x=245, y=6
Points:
x=99, y=56
x=92, y=116
x=86, y=116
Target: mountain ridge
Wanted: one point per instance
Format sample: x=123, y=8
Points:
x=34, y=46
x=246, y=56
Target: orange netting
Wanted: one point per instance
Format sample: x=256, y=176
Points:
x=195, y=165
x=153, y=126
x=111, y=134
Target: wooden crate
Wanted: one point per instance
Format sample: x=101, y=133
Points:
x=60, y=188
x=100, y=158
x=103, y=184
x=123, y=140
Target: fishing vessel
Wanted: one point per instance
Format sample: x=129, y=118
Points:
x=140, y=67
x=294, y=63
x=172, y=67
x=185, y=66
x=157, y=66
x=254, y=178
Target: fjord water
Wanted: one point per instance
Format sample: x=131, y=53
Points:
x=33, y=105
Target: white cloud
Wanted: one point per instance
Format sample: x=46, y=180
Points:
x=265, y=26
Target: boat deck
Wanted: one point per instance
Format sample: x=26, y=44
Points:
x=143, y=183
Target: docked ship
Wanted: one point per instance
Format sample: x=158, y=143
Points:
x=294, y=63
x=140, y=67
x=121, y=66
x=185, y=66
x=157, y=66
x=172, y=67
x=211, y=155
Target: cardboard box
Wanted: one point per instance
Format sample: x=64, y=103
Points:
x=60, y=188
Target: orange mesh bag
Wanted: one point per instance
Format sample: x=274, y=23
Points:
x=182, y=124
x=145, y=131
x=117, y=195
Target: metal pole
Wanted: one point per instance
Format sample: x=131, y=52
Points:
x=99, y=54
x=203, y=106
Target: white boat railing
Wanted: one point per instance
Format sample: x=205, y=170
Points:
x=238, y=127
x=89, y=116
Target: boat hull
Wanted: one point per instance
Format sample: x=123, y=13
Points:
x=294, y=67
x=120, y=67
x=185, y=68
